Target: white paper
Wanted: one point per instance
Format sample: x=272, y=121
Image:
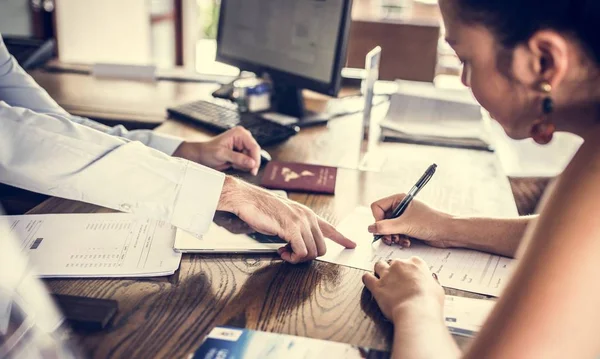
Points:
x=463, y=269
x=466, y=183
x=465, y=316
x=96, y=245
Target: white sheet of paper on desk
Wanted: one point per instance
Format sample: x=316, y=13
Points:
x=463, y=269
x=96, y=245
x=465, y=316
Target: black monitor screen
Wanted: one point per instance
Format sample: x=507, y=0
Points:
x=298, y=37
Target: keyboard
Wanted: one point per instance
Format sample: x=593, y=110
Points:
x=222, y=115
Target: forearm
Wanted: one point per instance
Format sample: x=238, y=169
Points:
x=494, y=235
x=18, y=89
x=420, y=332
x=60, y=158
x=164, y=143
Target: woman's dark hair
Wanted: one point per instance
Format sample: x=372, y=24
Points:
x=513, y=22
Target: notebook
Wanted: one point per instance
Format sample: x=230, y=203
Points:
x=228, y=234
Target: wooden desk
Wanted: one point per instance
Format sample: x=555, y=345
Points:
x=168, y=317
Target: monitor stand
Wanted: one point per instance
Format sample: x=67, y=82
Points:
x=288, y=100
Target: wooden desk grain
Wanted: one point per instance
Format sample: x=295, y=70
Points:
x=168, y=317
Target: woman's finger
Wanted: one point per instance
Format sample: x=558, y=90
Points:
x=387, y=240
x=385, y=205
x=381, y=268
x=370, y=281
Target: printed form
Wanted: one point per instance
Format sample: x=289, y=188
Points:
x=462, y=269
x=96, y=245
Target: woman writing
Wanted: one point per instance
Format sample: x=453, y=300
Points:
x=535, y=66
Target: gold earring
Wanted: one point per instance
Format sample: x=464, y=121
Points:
x=546, y=87
x=542, y=130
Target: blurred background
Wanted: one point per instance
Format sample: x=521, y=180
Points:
x=171, y=33
x=181, y=34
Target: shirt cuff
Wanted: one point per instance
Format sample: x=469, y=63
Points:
x=164, y=143
x=195, y=206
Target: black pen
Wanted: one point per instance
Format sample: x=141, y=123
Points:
x=401, y=207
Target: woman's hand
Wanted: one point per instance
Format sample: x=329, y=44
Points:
x=413, y=300
x=401, y=285
x=269, y=214
x=418, y=221
x=235, y=148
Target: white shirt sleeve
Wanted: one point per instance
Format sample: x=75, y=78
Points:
x=18, y=89
x=164, y=143
x=53, y=155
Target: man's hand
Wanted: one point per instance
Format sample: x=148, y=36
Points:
x=266, y=213
x=235, y=148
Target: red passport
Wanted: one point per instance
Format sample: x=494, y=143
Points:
x=299, y=177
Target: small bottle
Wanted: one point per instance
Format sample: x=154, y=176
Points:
x=240, y=96
x=259, y=97
x=251, y=95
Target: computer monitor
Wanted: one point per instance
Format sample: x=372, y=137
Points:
x=299, y=44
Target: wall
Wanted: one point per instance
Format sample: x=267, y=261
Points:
x=15, y=17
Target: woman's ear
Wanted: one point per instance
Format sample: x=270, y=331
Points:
x=549, y=52
x=543, y=59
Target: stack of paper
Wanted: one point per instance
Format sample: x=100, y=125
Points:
x=422, y=113
x=96, y=245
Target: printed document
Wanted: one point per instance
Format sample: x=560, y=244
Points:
x=95, y=245
x=462, y=269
